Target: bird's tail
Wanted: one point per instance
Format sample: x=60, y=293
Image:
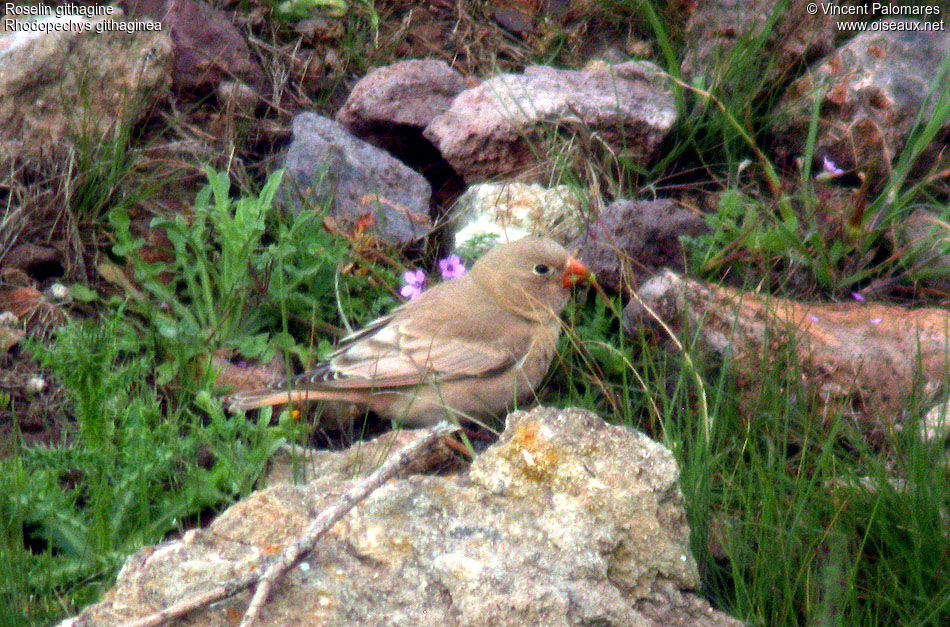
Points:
x=255, y=399
x=244, y=401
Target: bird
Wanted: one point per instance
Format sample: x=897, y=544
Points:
x=464, y=350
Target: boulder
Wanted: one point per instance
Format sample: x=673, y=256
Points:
x=363, y=188
x=76, y=85
x=565, y=521
x=505, y=125
x=633, y=237
x=408, y=93
x=862, y=360
x=871, y=91
x=207, y=48
x=513, y=210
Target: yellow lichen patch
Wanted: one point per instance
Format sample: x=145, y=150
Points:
x=536, y=456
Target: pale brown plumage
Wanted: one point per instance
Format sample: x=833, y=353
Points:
x=465, y=349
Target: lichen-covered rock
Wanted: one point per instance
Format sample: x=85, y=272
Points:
x=362, y=186
x=75, y=84
x=871, y=90
x=513, y=210
x=504, y=126
x=565, y=521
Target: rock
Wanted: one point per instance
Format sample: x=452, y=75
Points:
x=363, y=185
x=237, y=97
x=408, y=93
x=40, y=262
x=873, y=88
x=861, y=359
x=390, y=107
x=62, y=86
x=926, y=240
x=294, y=465
x=936, y=422
x=208, y=49
x=566, y=520
x=714, y=28
x=28, y=304
x=631, y=236
x=501, y=126
x=513, y=210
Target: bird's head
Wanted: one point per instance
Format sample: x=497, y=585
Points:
x=534, y=274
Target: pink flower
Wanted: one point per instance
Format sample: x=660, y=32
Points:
x=414, y=281
x=858, y=297
x=451, y=267
x=830, y=167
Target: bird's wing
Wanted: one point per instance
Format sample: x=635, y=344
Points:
x=399, y=351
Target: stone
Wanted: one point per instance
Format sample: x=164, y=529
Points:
x=631, y=237
x=925, y=238
x=715, y=28
x=504, y=125
x=40, y=262
x=408, y=93
x=565, y=521
x=872, y=89
x=936, y=422
x=208, y=49
x=61, y=87
x=363, y=187
x=514, y=210
x=861, y=359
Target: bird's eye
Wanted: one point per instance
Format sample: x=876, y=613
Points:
x=541, y=269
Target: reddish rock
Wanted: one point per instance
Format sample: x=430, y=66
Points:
x=207, y=48
x=633, y=236
x=873, y=88
x=409, y=93
x=861, y=360
x=502, y=126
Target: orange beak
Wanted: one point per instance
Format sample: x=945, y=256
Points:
x=574, y=272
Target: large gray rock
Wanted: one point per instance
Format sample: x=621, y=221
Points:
x=361, y=185
x=408, y=93
x=871, y=90
x=505, y=125
x=565, y=521
x=75, y=84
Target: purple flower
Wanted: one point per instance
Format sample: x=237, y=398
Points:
x=876, y=320
x=830, y=167
x=451, y=267
x=414, y=281
x=813, y=318
x=857, y=296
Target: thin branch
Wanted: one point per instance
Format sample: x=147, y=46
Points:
x=329, y=517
